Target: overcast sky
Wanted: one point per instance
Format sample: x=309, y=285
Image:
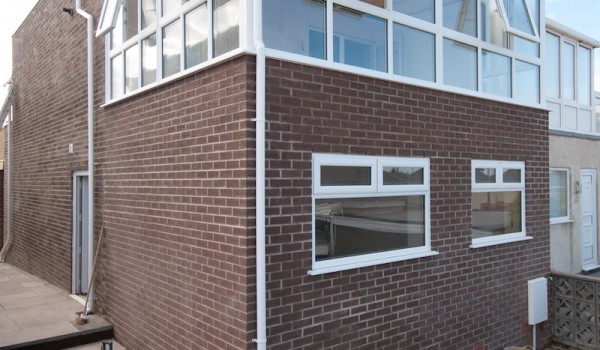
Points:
x=581, y=15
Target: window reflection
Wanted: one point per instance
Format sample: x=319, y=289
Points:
x=496, y=213
x=460, y=64
x=132, y=67
x=148, y=13
x=422, y=9
x=196, y=37
x=496, y=73
x=461, y=15
x=149, y=60
x=527, y=82
x=414, y=53
x=171, y=49
x=116, y=68
x=226, y=26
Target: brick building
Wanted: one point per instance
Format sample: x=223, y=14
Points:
x=406, y=170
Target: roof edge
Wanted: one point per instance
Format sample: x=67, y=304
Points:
x=561, y=28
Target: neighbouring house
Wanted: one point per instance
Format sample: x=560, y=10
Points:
x=574, y=149
x=386, y=166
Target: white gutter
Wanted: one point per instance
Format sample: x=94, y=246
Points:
x=9, y=150
x=90, y=66
x=261, y=285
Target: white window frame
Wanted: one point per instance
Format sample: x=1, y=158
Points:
x=500, y=186
x=509, y=29
x=375, y=189
x=567, y=218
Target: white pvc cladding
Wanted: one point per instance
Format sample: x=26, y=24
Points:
x=569, y=72
x=485, y=48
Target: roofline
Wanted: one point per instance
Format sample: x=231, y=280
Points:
x=7, y=102
x=582, y=38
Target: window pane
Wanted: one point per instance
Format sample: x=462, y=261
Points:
x=403, y=176
x=492, y=27
x=414, y=53
x=518, y=18
x=171, y=49
x=354, y=226
x=345, y=175
x=527, y=82
x=296, y=26
x=116, y=68
x=558, y=194
x=460, y=64
x=496, y=72
x=525, y=46
x=422, y=9
x=584, y=76
x=552, y=65
x=485, y=175
x=116, y=35
x=226, y=26
x=568, y=65
x=461, y=15
x=131, y=18
x=534, y=9
x=132, y=68
x=196, y=36
x=378, y=3
x=148, y=12
x=170, y=5
x=149, y=60
x=359, y=39
x=511, y=176
x=496, y=213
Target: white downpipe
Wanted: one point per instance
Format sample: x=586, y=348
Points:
x=261, y=284
x=9, y=150
x=90, y=66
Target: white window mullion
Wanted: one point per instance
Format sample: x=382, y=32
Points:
x=329, y=31
x=211, y=31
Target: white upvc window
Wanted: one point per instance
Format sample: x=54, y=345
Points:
x=559, y=196
x=498, y=202
x=154, y=41
x=369, y=210
x=518, y=19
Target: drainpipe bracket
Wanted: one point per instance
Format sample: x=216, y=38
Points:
x=259, y=341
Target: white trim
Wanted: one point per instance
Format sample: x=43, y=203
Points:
x=108, y=16
x=504, y=240
x=510, y=29
x=563, y=219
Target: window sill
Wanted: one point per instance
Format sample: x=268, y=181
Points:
x=500, y=241
x=324, y=270
x=561, y=221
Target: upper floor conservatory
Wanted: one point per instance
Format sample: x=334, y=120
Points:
x=569, y=72
x=485, y=48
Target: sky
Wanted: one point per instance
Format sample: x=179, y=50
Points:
x=581, y=15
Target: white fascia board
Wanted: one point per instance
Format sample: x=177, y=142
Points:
x=108, y=16
x=7, y=103
x=562, y=29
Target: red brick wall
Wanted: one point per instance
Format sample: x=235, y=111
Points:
x=463, y=298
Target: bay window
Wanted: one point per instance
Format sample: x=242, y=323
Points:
x=498, y=202
x=368, y=210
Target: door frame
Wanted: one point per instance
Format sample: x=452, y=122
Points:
x=594, y=264
x=74, y=261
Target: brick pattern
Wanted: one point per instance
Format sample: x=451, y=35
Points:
x=463, y=298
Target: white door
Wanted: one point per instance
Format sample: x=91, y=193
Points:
x=589, y=244
x=80, y=234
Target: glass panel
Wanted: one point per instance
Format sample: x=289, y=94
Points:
x=149, y=60
x=485, y=175
x=354, y=226
x=534, y=9
x=148, y=12
x=496, y=72
x=296, y=26
x=584, y=76
x=116, y=35
x=422, y=9
x=170, y=5
x=414, y=53
x=345, y=175
x=568, y=66
x=525, y=46
x=196, y=36
x=518, y=18
x=226, y=26
x=527, y=82
x=378, y=3
x=461, y=15
x=116, y=68
x=361, y=39
x=171, y=54
x=511, y=176
x=492, y=25
x=597, y=99
x=403, y=176
x=496, y=213
x=132, y=68
x=131, y=18
x=558, y=194
x=460, y=64
x=552, y=65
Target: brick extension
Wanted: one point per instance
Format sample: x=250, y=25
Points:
x=175, y=191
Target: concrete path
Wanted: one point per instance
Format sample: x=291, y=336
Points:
x=32, y=310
